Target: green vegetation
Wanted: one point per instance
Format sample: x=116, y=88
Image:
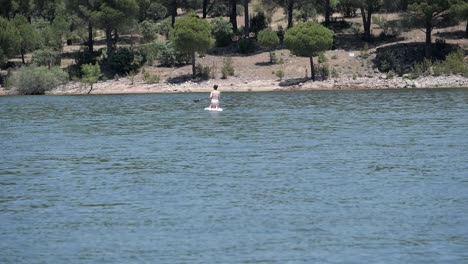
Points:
x=191, y=35
x=33, y=80
x=228, y=68
x=268, y=39
x=120, y=36
x=91, y=74
x=222, y=31
x=307, y=40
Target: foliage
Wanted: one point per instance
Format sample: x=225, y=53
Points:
x=126, y=60
x=150, y=78
x=190, y=35
x=222, y=31
x=258, y=22
x=308, y=39
x=85, y=56
x=37, y=80
x=246, y=45
x=269, y=39
x=151, y=51
x=91, y=74
x=163, y=27
x=424, y=13
x=28, y=36
x=149, y=30
x=334, y=73
x=204, y=71
x=228, y=68
x=168, y=56
x=322, y=58
x=280, y=74
x=10, y=40
x=46, y=57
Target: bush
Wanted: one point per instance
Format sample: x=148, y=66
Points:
x=334, y=73
x=454, y=64
x=84, y=56
x=322, y=58
x=324, y=71
x=280, y=74
x=46, y=57
x=258, y=23
x=126, y=60
x=34, y=80
x=149, y=30
x=150, y=51
x=222, y=31
x=246, y=45
x=169, y=57
x=228, y=68
x=203, y=72
x=151, y=78
x=164, y=26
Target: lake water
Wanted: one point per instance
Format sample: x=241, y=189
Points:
x=318, y=177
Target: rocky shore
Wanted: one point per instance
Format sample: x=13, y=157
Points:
x=124, y=85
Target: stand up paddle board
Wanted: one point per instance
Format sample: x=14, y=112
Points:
x=219, y=109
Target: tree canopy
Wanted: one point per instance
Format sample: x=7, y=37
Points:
x=307, y=40
x=191, y=35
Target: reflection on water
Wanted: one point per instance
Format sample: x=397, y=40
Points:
x=324, y=177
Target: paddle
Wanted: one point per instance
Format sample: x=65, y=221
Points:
x=198, y=100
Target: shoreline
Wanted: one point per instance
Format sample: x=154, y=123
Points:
x=124, y=86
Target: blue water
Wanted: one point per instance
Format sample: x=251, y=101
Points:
x=318, y=177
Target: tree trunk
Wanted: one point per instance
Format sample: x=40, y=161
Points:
x=233, y=14
x=246, y=18
x=116, y=39
x=466, y=30
x=290, y=13
x=205, y=6
x=109, y=42
x=327, y=13
x=312, y=70
x=428, y=48
x=90, y=89
x=22, y=57
x=90, y=38
x=366, y=21
x=194, y=70
x=173, y=12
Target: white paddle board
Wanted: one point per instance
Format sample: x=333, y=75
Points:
x=214, y=109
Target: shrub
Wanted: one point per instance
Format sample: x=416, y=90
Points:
x=151, y=51
x=126, y=60
x=228, y=68
x=246, y=45
x=149, y=30
x=84, y=56
x=322, y=58
x=390, y=74
x=164, y=26
x=280, y=74
x=37, y=79
x=270, y=40
x=151, y=78
x=91, y=74
x=222, y=31
x=454, y=64
x=334, y=73
x=46, y=57
x=324, y=71
x=258, y=23
x=169, y=57
x=203, y=72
